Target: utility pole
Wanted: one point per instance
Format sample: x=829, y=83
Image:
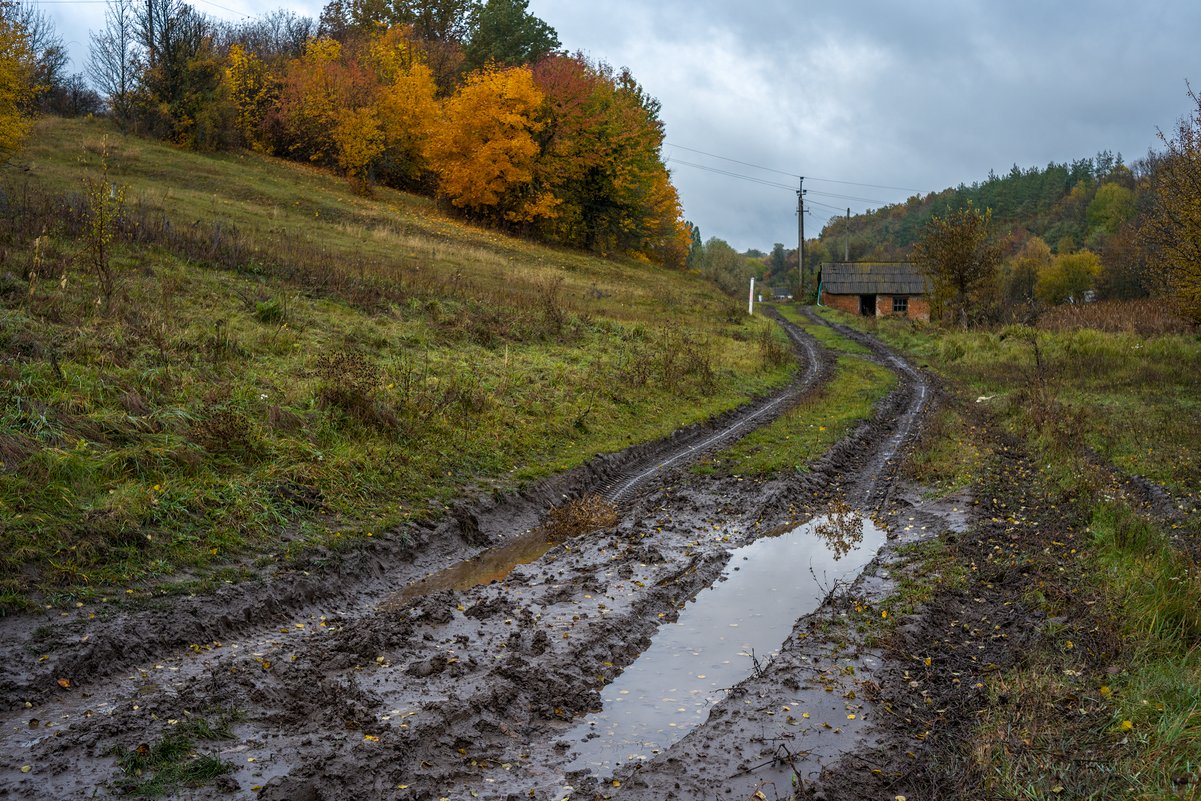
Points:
x=800, y=216
x=846, y=242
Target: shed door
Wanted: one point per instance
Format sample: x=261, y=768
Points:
x=867, y=305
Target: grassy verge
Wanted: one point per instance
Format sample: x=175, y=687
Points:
x=813, y=426
x=1105, y=702
x=280, y=364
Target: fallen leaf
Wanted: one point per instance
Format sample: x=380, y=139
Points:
x=64, y=683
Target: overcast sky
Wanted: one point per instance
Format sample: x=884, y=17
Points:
x=915, y=95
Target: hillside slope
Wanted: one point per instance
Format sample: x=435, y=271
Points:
x=279, y=363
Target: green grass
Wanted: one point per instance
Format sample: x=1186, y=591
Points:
x=1119, y=714
x=373, y=361
x=810, y=428
x=822, y=333
x=1135, y=400
x=166, y=766
x=949, y=455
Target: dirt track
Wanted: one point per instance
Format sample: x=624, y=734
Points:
x=346, y=688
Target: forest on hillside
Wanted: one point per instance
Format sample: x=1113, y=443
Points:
x=470, y=101
x=1086, y=214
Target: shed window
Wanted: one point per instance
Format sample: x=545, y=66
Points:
x=900, y=305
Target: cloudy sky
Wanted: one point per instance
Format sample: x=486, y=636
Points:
x=886, y=97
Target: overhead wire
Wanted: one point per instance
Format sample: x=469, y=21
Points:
x=793, y=174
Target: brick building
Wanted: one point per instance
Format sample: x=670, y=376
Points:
x=875, y=289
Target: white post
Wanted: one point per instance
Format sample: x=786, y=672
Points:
x=750, y=303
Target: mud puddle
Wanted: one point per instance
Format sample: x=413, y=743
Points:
x=725, y=635
x=493, y=564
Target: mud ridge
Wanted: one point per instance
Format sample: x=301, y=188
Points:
x=333, y=583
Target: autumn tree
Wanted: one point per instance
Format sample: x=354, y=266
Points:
x=601, y=138
x=47, y=55
x=16, y=82
x=253, y=90
x=359, y=141
x=1020, y=275
x=1068, y=278
x=317, y=89
x=1173, y=229
x=724, y=266
x=406, y=106
x=955, y=251
x=505, y=33
x=181, y=90
x=483, y=148
x=439, y=25
x=1111, y=207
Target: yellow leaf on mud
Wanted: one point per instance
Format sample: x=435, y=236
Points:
x=371, y=738
x=64, y=683
x=805, y=715
x=26, y=768
x=927, y=661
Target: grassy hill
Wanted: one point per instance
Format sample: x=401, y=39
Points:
x=281, y=363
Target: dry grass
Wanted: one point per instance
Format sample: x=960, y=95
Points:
x=1150, y=317
x=580, y=516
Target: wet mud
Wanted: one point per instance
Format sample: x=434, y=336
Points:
x=387, y=674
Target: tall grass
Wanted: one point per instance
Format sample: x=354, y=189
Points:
x=283, y=365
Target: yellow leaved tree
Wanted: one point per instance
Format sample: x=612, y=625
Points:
x=483, y=149
x=405, y=107
x=16, y=82
x=359, y=141
x=252, y=90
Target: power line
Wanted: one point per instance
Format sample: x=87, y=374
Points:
x=730, y=174
x=735, y=161
x=793, y=174
x=105, y=2
x=851, y=197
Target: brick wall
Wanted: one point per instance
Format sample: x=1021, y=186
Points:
x=919, y=308
x=844, y=303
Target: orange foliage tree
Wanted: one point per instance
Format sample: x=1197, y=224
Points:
x=600, y=138
x=483, y=147
x=406, y=105
x=318, y=89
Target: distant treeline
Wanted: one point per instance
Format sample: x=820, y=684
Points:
x=1090, y=206
x=470, y=101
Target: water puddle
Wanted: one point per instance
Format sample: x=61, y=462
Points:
x=718, y=638
x=485, y=567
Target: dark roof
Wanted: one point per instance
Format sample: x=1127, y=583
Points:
x=874, y=278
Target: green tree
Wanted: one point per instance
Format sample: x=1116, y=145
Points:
x=725, y=267
x=1021, y=274
x=957, y=253
x=1173, y=229
x=505, y=33
x=1068, y=278
x=1112, y=206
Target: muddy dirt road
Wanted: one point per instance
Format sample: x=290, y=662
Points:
x=678, y=653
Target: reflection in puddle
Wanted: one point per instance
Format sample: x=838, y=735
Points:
x=691, y=664
x=491, y=565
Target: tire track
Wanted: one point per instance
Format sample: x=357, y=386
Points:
x=621, y=487
x=89, y=651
